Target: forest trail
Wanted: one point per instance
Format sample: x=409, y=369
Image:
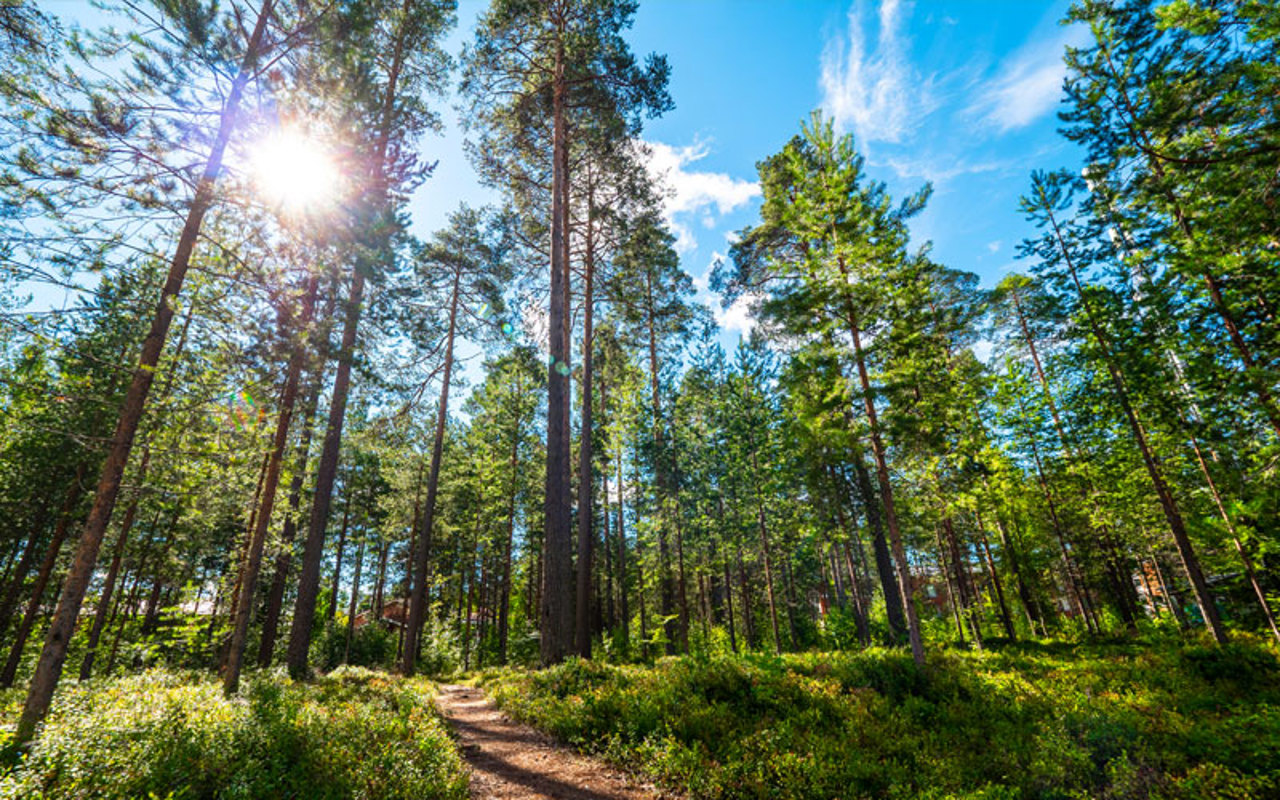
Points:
x=510, y=761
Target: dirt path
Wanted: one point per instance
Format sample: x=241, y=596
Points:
x=510, y=761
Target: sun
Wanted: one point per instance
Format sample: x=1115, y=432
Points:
x=293, y=171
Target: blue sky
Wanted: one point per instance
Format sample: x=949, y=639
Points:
x=959, y=93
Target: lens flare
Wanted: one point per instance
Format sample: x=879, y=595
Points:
x=294, y=171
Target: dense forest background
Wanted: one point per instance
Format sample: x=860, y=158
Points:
x=250, y=441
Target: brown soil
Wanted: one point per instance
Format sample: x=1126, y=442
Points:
x=510, y=761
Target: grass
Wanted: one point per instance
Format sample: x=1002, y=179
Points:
x=1135, y=720
x=353, y=733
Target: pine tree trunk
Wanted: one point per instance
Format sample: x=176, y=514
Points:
x=1006, y=619
x=582, y=631
x=49, y=668
x=19, y=576
x=556, y=613
x=326, y=473
x=666, y=588
x=418, y=591
x=886, y=495
x=1168, y=505
x=42, y=579
x=354, y=605
x=327, y=470
x=889, y=582
x=284, y=559
x=768, y=561
x=108, y=588
x=504, y=599
x=622, y=563
x=253, y=561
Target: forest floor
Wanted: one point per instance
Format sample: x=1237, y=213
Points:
x=510, y=761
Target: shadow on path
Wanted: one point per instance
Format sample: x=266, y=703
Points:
x=510, y=761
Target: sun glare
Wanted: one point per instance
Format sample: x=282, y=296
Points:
x=293, y=171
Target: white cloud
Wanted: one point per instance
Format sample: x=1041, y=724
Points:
x=940, y=168
x=703, y=195
x=738, y=316
x=873, y=88
x=1028, y=84
x=702, y=283
x=994, y=247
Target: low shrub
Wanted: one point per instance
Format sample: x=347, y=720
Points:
x=1113, y=720
x=352, y=734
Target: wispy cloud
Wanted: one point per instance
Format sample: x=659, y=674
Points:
x=939, y=169
x=1028, y=83
x=738, y=316
x=872, y=88
x=692, y=193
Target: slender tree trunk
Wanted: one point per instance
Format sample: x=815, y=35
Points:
x=108, y=590
x=418, y=595
x=1006, y=618
x=253, y=561
x=953, y=594
x=49, y=668
x=748, y=621
x=889, y=582
x=284, y=559
x=968, y=597
x=504, y=600
x=327, y=470
x=682, y=596
x=336, y=586
x=354, y=605
x=768, y=560
x=666, y=589
x=585, y=484
x=19, y=576
x=1170, y=599
x=1235, y=539
x=42, y=579
x=1168, y=505
x=380, y=583
x=556, y=613
x=606, y=546
x=886, y=498
x=622, y=563
x=1087, y=491
x=859, y=607
x=728, y=603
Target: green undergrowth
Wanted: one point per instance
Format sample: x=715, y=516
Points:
x=353, y=733
x=1165, y=721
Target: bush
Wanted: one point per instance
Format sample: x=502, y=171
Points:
x=1114, y=720
x=371, y=646
x=351, y=734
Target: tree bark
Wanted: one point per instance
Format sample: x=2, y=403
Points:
x=253, y=560
x=582, y=631
x=42, y=579
x=354, y=605
x=49, y=667
x=556, y=613
x=889, y=582
x=418, y=591
x=886, y=495
x=1168, y=505
x=326, y=471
